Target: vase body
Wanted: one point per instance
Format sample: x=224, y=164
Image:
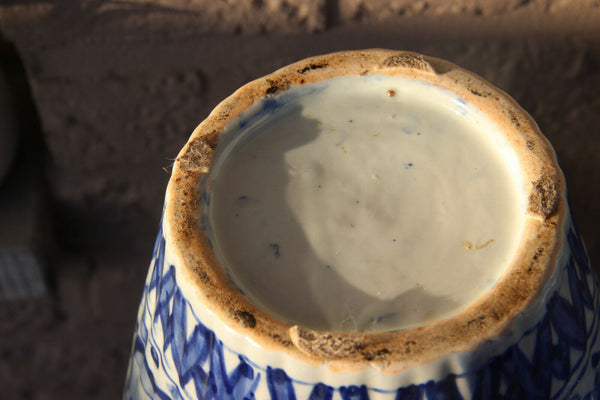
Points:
x=185, y=347
x=175, y=355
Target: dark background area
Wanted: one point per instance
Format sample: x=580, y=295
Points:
x=105, y=93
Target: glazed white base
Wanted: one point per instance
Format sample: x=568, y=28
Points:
x=365, y=203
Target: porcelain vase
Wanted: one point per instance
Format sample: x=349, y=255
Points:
x=534, y=335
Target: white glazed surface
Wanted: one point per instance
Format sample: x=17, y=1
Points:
x=365, y=212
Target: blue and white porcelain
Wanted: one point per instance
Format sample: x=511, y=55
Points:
x=533, y=335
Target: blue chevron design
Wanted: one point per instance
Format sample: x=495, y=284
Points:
x=167, y=362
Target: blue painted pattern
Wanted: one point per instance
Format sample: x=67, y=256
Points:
x=175, y=356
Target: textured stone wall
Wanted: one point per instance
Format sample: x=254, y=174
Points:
x=120, y=85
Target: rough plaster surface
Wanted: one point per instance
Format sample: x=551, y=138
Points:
x=385, y=9
x=118, y=20
x=120, y=85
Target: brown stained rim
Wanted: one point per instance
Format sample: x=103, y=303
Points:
x=488, y=317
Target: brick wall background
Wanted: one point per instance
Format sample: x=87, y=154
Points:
x=119, y=85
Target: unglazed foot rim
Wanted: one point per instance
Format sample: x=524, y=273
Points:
x=488, y=317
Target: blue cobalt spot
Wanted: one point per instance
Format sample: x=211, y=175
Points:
x=485, y=385
x=354, y=393
x=280, y=385
x=321, y=392
x=557, y=356
x=461, y=106
x=156, y=391
x=275, y=248
x=204, y=222
x=269, y=105
x=205, y=198
x=245, y=201
x=565, y=322
x=139, y=345
x=445, y=389
x=154, y=355
x=384, y=317
x=411, y=392
x=242, y=382
x=408, y=165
